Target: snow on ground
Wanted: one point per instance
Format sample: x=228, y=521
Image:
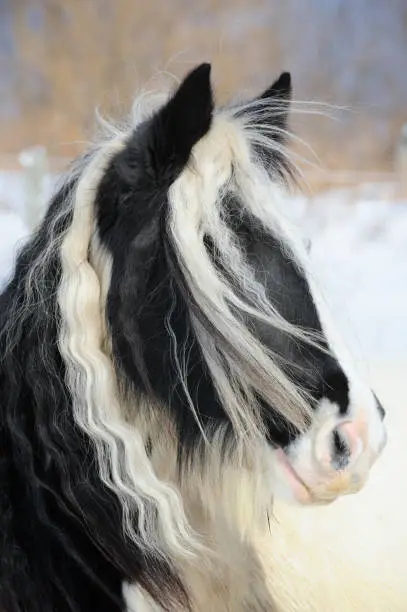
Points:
x=13, y=225
x=359, y=248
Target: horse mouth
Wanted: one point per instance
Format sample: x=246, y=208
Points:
x=302, y=493
x=324, y=492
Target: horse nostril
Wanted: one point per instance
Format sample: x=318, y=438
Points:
x=341, y=451
x=336, y=447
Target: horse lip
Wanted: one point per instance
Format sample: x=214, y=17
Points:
x=293, y=474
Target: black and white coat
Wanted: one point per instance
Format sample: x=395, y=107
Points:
x=168, y=367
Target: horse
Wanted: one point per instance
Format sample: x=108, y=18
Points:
x=169, y=368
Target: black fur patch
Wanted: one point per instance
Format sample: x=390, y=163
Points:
x=148, y=293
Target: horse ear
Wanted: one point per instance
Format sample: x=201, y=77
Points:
x=280, y=89
x=184, y=120
x=279, y=93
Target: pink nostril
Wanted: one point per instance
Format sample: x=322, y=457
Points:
x=351, y=433
x=338, y=447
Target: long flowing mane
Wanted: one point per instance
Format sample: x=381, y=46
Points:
x=48, y=465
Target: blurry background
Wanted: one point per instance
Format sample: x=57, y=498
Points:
x=59, y=59
x=62, y=58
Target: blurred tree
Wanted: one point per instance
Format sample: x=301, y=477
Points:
x=62, y=59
